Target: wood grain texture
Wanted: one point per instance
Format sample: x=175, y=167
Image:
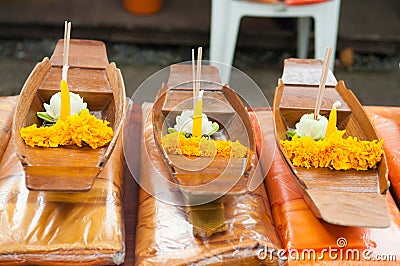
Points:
x=91, y=83
x=307, y=73
x=338, y=197
x=351, y=209
x=102, y=88
x=82, y=53
x=181, y=77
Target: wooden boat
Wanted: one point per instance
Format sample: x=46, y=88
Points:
x=345, y=197
x=70, y=168
x=205, y=176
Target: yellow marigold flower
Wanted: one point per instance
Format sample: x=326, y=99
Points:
x=177, y=143
x=334, y=152
x=75, y=129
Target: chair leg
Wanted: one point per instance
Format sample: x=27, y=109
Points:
x=303, y=36
x=326, y=30
x=219, y=16
x=231, y=33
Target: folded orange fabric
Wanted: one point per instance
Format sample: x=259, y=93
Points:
x=300, y=231
x=387, y=123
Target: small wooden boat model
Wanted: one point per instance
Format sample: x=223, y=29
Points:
x=201, y=177
x=343, y=197
x=70, y=168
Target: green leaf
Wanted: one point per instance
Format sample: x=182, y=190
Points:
x=45, y=116
x=215, y=127
x=291, y=133
x=171, y=130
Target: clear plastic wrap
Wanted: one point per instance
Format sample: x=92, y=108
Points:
x=307, y=239
x=164, y=234
x=7, y=105
x=49, y=228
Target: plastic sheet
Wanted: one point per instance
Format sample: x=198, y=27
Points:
x=300, y=231
x=48, y=228
x=164, y=234
x=7, y=105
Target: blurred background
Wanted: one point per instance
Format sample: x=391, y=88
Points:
x=367, y=57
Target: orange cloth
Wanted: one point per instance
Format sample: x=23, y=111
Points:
x=387, y=123
x=300, y=230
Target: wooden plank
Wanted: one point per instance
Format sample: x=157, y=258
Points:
x=82, y=54
x=91, y=84
x=182, y=74
x=305, y=72
x=354, y=209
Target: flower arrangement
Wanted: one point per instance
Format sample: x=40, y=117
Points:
x=191, y=136
x=178, y=143
x=77, y=128
x=334, y=152
x=318, y=143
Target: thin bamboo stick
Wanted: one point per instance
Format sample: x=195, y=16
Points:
x=324, y=75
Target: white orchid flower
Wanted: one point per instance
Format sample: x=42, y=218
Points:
x=52, y=113
x=184, y=123
x=308, y=126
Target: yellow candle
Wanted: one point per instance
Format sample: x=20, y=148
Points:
x=197, y=117
x=65, y=101
x=332, y=120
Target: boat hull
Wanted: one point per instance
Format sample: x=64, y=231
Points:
x=202, y=177
x=70, y=168
x=343, y=197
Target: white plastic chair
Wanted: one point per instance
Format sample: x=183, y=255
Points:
x=227, y=14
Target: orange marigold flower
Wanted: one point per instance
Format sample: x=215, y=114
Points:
x=177, y=143
x=334, y=152
x=75, y=129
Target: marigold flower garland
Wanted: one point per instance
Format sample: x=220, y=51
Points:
x=75, y=129
x=177, y=143
x=334, y=152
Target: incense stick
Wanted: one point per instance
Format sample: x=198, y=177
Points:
x=65, y=41
x=67, y=36
x=324, y=75
x=194, y=80
x=198, y=75
x=68, y=41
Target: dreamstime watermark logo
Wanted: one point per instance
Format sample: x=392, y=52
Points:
x=340, y=252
